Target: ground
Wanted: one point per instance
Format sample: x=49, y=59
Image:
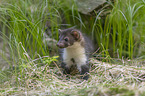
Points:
x=105, y=80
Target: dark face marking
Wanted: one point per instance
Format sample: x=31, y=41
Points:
x=67, y=37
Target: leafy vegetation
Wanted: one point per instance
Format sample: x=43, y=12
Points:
x=30, y=67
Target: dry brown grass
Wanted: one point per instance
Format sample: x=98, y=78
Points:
x=105, y=80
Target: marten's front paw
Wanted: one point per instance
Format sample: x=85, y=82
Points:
x=85, y=77
x=66, y=71
x=84, y=71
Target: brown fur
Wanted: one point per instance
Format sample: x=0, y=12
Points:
x=76, y=48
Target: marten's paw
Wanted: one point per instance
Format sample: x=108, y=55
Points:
x=85, y=77
x=66, y=71
x=84, y=72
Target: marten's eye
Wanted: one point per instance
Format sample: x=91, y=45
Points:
x=66, y=39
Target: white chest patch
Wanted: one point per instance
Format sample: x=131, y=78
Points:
x=77, y=52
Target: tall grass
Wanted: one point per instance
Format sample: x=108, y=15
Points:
x=23, y=24
x=121, y=34
x=26, y=23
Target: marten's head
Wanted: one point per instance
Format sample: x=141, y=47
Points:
x=67, y=37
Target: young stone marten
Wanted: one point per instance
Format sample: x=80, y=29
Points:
x=75, y=48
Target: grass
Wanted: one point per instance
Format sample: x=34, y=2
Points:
x=105, y=79
x=29, y=65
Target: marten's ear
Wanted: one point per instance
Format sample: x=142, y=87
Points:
x=76, y=34
x=60, y=31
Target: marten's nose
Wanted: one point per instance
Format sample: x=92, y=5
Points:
x=60, y=45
